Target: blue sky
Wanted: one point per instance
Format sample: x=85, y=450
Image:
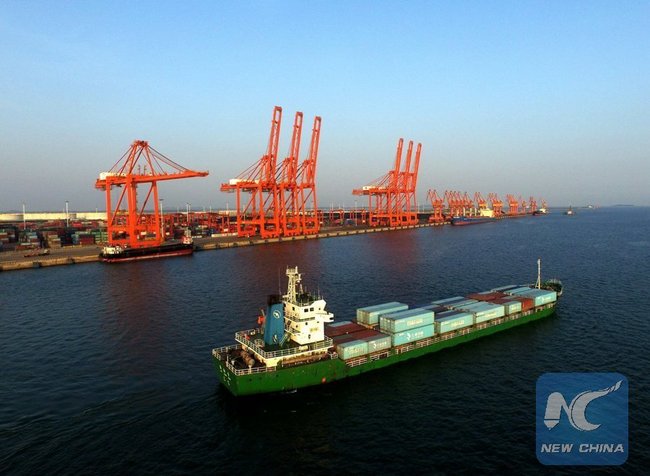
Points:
x=550, y=99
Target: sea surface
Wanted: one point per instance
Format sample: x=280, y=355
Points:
x=106, y=369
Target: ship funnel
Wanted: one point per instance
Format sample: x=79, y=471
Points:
x=274, y=321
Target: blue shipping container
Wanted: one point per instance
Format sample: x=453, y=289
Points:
x=352, y=349
x=512, y=307
x=412, y=335
x=463, y=304
x=370, y=315
x=540, y=296
x=449, y=300
x=454, y=322
x=405, y=320
x=378, y=343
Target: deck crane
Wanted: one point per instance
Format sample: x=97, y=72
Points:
x=259, y=214
x=437, y=205
x=140, y=165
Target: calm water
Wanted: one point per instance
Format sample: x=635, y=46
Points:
x=108, y=368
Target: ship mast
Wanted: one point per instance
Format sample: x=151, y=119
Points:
x=538, y=283
x=294, y=280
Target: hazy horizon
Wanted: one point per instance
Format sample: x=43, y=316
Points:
x=543, y=99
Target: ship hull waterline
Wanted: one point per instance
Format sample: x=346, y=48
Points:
x=329, y=370
x=164, y=251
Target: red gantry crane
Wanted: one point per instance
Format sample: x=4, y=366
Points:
x=497, y=204
x=140, y=165
x=437, y=204
x=391, y=198
x=306, y=187
x=259, y=213
x=282, y=199
x=513, y=204
x=481, y=203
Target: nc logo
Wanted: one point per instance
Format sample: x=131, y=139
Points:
x=575, y=411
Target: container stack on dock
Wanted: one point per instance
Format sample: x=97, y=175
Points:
x=52, y=239
x=28, y=240
x=83, y=239
x=7, y=235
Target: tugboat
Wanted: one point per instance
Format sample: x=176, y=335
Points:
x=569, y=211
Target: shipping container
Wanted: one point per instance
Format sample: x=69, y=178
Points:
x=370, y=315
x=485, y=311
x=340, y=339
x=462, y=304
x=405, y=320
x=511, y=306
x=452, y=322
x=436, y=308
x=352, y=349
x=412, y=335
x=449, y=300
x=540, y=296
x=519, y=290
x=366, y=333
x=506, y=288
x=526, y=303
x=342, y=327
x=378, y=342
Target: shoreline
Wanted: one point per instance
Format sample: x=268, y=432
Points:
x=90, y=254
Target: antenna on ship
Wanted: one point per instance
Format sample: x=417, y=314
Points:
x=538, y=283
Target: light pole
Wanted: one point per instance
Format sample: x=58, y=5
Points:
x=188, y=205
x=67, y=215
x=24, y=221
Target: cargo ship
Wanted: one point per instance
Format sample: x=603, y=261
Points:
x=473, y=220
x=119, y=254
x=298, y=344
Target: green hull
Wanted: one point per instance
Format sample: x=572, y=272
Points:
x=329, y=370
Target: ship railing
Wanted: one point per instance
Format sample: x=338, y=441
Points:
x=247, y=371
x=356, y=361
x=380, y=355
x=245, y=338
x=217, y=353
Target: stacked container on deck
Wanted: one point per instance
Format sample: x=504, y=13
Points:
x=408, y=325
x=353, y=340
x=399, y=325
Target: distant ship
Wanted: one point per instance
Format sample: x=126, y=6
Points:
x=462, y=221
x=118, y=254
x=485, y=215
x=298, y=345
x=569, y=211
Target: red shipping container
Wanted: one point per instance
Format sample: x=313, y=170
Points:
x=526, y=303
x=342, y=330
